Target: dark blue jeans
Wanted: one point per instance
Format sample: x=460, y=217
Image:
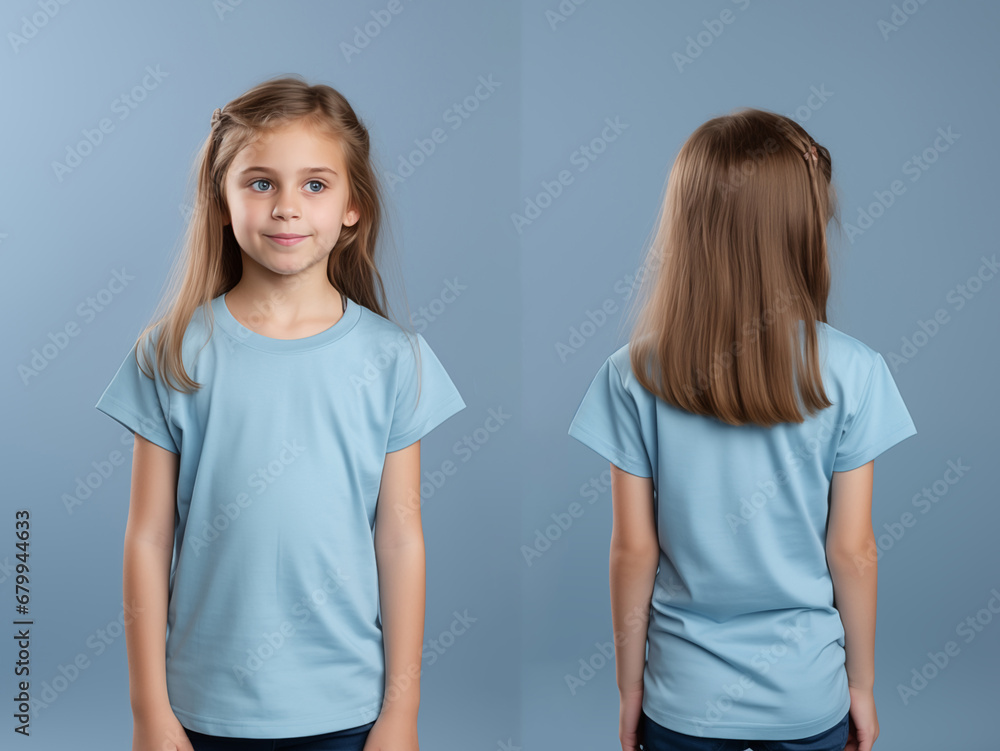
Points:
x=653, y=737
x=352, y=739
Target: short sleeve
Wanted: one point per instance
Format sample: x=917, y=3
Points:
x=439, y=398
x=879, y=421
x=607, y=421
x=139, y=403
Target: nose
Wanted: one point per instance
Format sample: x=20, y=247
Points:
x=285, y=207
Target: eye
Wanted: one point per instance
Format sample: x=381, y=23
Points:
x=316, y=182
x=260, y=180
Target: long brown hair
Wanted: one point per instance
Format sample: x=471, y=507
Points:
x=210, y=263
x=737, y=265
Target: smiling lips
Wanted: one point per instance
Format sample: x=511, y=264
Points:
x=286, y=238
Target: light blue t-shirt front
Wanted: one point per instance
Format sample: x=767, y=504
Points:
x=274, y=627
x=744, y=640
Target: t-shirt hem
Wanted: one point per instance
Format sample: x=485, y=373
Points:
x=748, y=731
x=609, y=452
x=267, y=729
x=439, y=414
x=860, y=458
x=135, y=423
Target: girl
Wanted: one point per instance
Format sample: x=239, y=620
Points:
x=277, y=415
x=741, y=429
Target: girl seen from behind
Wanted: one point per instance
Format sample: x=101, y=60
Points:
x=741, y=429
x=273, y=550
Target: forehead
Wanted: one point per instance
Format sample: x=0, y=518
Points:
x=291, y=146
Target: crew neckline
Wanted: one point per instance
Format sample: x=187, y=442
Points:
x=252, y=339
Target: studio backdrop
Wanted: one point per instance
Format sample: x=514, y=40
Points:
x=523, y=148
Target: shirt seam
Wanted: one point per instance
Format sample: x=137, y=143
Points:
x=902, y=428
x=141, y=418
x=455, y=400
x=621, y=378
x=864, y=389
x=247, y=344
x=686, y=720
x=632, y=461
x=854, y=416
x=321, y=719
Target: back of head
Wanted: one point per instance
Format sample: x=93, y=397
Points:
x=738, y=264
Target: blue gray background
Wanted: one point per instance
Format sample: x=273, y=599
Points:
x=876, y=95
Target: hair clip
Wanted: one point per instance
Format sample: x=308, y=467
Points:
x=216, y=116
x=812, y=150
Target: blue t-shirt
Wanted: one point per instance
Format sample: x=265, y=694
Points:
x=274, y=627
x=744, y=640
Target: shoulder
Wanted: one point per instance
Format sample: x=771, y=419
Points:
x=386, y=340
x=198, y=331
x=846, y=357
x=620, y=360
x=374, y=325
x=620, y=365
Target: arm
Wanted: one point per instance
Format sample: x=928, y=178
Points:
x=850, y=554
x=149, y=540
x=635, y=554
x=149, y=544
x=399, y=553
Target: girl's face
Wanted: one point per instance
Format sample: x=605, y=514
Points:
x=292, y=181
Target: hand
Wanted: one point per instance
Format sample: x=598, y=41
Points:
x=393, y=732
x=159, y=731
x=630, y=709
x=863, y=720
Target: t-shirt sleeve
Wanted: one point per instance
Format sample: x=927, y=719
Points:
x=139, y=403
x=879, y=421
x=607, y=421
x=439, y=398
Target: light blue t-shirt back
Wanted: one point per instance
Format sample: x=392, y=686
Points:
x=274, y=628
x=743, y=639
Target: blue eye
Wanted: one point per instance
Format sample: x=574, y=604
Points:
x=321, y=184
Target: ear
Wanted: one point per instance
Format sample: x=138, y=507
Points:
x=353, y=215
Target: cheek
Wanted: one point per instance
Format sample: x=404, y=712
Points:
x=247, y=212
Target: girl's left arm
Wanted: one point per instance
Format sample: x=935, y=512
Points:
x=399, y=554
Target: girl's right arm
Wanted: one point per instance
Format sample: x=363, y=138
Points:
x=851, y=555
x=149, y=535
x=635, y=555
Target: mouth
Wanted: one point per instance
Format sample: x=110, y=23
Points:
x=286, y=238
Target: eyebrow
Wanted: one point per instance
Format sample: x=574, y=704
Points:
x=304, y=171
